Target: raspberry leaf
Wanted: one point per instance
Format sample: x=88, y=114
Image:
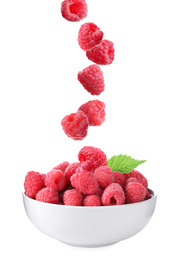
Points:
x=123, y=163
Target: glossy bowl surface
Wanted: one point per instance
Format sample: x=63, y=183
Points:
x=90, y=226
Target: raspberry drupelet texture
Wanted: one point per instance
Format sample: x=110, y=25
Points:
x=102, y=53
x=129, y=180
x=62, y=166
x=104, y=176
x=74, y=10
x=72, y=198
x=91, y=158
x=92, y=201
x=75, y=125
x=34, y=182
x=95, y=112
x=135, y=192
x=113, y=195
x=55, y=179
x=89, y=35
x=92, y=79
x=70, y=171
x=138, y=176
x=119, y=178
x=84, y=181
x=48, y=194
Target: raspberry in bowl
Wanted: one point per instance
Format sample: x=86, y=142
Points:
x=89, y=204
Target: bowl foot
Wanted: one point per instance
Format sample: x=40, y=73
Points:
x=89, y=245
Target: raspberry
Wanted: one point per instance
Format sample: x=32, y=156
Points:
x=70, y=171
x=95, y=112
x=135, y=192
x=84, y=181
x=74, y=10
x=48, y=195
x=62, y=166
x=138, y=176
x=34, y=182
x=147, y=196
x=113, y=195
x=92, y=79
x=75, y=125
x=104, y=176
x=43, y=176
x=129, y=180
x=119, y=178
x=56, y=180
x=102, y=54
x=91, y=158
x=73, y=198
x=92, y=200
x=89, y=35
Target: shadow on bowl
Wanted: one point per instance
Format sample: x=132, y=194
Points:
x=90, y=226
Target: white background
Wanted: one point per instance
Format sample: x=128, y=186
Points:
x=39, y=62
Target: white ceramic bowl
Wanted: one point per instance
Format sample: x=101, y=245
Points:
x=90, y=226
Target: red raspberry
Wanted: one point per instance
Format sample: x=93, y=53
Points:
x=75, y=125
x=43, y=176
x=74, y=10
x=92, y=201
x=84, y=181
x=147, y=196
x=113, y=195
x=48, y=195
x=104, y=176
x=102, y=54
x=56, y=180
x=135, y=192
x=92, y=79
x=73, y=198
x=95, y=112
x=70, y=171
x=119, y=178
x=99, y=192
x=129, y=180
x=138, y=176
x=33, y=183
x=91, y=158
x=62, y=166
x=89, y=35
x=62, y=193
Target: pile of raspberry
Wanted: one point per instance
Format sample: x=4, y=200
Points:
x=101, y=52
x=87, y=182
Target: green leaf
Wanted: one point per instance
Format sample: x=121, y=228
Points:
x=123, y=163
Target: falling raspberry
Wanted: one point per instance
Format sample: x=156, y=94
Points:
x=89, y=35
x=95, y=112
x=102, y=54
x=92, y=79
x=75, y=125
x=74, y=10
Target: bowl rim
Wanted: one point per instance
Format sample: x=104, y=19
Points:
x=153, y=197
